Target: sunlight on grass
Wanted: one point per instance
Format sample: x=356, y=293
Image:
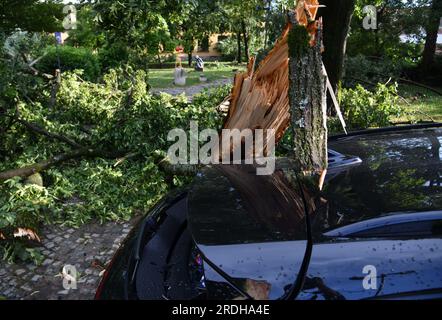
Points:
x=420, y=104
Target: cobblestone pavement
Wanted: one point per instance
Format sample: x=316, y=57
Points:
x=88, y=249
x=192, y=90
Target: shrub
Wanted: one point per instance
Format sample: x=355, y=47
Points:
x=228, y=47
x=71, y=58
x=363, y=108
x=112, y=56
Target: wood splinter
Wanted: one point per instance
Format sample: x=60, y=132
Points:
x=288, y=89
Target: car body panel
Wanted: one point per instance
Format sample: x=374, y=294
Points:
x=400, y=266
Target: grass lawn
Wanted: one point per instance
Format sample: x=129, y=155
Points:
x=421, y=105
x=163, y=78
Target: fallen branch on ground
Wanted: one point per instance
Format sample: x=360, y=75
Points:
x=39, y=130
x=417, y=84
x=41, y=166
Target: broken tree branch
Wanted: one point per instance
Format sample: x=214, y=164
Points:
x=417, y=84
x=35, y=128
x=43, y=165
x=414, y=83
x=167, y=167
x=126, y=157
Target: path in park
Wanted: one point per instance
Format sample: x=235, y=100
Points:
x=88, y=248
x=193, y=90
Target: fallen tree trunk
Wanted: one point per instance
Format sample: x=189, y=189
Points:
x=41, y=166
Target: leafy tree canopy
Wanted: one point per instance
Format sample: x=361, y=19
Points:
x=31, y=15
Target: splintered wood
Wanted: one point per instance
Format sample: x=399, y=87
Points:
x=259, y=100
x=287, y=89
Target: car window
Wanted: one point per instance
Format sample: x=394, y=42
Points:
x=409, y=229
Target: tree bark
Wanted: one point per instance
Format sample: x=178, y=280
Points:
x=431, y=29
x=308, y=105
x=238, y=39
x=336, y=18
x=189, y=59
x=246, y=40
x=160, y=61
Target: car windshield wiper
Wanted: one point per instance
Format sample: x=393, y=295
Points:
x=298, y=284
x=225, y=276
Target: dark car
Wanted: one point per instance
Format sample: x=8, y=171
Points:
x=374, y=232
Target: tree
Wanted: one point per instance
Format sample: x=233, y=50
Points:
x=394, y=19
x=431, y=28
x=307, y=95
x=275, y=21
x=283, y=92
x=336, y=16
x=86, y=34
x=238, y=44
x=244, y=18
x=200, y=18
x=141, y=25
x=30, y=15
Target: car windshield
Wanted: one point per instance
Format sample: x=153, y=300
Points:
x=254, y=229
